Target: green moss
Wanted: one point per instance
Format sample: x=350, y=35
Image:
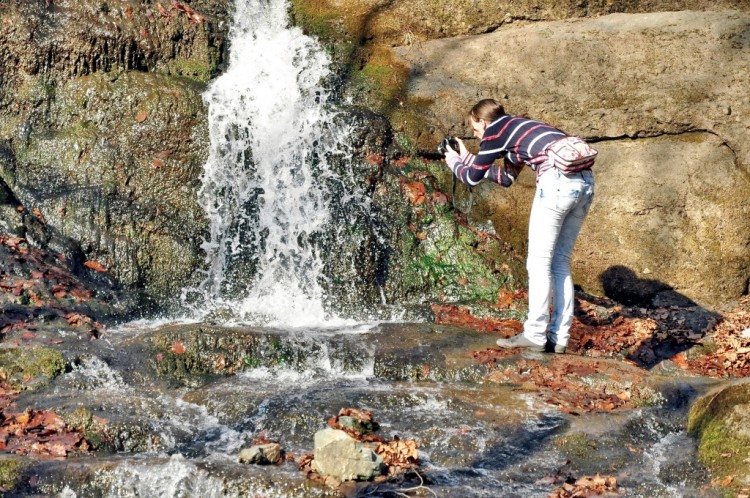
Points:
x=11, y=470
x=381, y=81
x=194, y=69
x=339, y=29
x=577, y=445
x=21, y=367
x=719, y=420
x=94, y=432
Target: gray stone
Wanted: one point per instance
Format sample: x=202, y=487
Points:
x=261, y=454
x=342, y=457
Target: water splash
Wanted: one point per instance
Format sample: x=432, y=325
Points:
x=263, y=191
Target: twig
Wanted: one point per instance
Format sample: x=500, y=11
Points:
x=401, y=491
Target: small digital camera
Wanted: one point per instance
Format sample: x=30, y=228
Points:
x=447, y=142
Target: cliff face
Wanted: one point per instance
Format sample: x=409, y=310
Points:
x=103, y=131
x=658, y=86
x=663, y=96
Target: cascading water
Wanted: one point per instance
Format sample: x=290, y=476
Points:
x=264, y=181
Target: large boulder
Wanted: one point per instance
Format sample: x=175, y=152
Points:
x=662, y=95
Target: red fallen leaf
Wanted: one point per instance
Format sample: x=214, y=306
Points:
x=415, y=192
x=439, y=198
x=81, y=294
x=157, y=163
x=376, y=159
x=141, y=116
x=162, y=11
x=128, y=12
x=402, y=161
x=178, y=348
x=28, y=336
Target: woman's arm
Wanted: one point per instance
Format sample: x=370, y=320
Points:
x=471, y=169
x=505, y=175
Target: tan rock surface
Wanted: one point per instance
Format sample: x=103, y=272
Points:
x=671, y=209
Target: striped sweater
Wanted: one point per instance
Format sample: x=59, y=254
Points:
x=517, y=140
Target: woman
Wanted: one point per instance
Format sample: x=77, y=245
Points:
x=561, y=203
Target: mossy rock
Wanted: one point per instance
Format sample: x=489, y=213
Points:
x=30, y=368
x=441, y=255
x=721, y=422
x=11, y=472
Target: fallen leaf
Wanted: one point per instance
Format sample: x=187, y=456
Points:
x=95, y=265
x=141, y=116
x=178, y=348
x=39, y=215
x=680, y=360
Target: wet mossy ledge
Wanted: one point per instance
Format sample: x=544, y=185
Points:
x=31, y=368
x=721, y=422
x=193, y=355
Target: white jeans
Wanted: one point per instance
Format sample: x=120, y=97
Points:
x=560, y=205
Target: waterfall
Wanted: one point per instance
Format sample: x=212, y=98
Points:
x=263, y=182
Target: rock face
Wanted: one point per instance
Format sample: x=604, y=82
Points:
x=342, y=457
x=103, y=131
x=663, y=97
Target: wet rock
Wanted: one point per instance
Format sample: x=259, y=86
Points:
x=342, y=457
x=720, y=420
x=103, y=130
x=262, y=454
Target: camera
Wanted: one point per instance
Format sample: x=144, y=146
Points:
x=447, y=142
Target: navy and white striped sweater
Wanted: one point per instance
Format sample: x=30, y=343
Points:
x=517, y=140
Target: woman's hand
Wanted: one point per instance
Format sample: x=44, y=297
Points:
x=462, y=148
x=451, y=158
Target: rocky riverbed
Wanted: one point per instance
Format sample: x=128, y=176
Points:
x=87, y=402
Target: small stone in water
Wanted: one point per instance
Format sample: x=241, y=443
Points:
x=262, y=454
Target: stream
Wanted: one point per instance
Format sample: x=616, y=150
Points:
x=475, y=438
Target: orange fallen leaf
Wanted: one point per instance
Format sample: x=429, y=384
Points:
x=95, y=265
x=680, y=360
x=39, y=215
x=178, y=348
x=141, y=116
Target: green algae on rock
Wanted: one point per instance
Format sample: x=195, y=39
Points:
x=30, y=368
x=720, y=421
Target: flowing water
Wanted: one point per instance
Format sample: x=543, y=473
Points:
x=263, y=189
x=264, y=184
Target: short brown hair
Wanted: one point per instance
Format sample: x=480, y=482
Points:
x=487, y=109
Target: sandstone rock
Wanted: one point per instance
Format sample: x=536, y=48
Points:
x=261, y=454
x=672, y=176
x=340, y=456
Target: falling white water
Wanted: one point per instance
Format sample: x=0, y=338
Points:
x=262, y=185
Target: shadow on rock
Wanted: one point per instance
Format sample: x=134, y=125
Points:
x=679, y=321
